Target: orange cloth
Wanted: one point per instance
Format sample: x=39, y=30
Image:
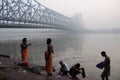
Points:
x=24, y=53
x=49, y=62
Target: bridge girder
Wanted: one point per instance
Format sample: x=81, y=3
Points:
x=31, y=12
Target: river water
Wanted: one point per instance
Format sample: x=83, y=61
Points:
x=71, y=48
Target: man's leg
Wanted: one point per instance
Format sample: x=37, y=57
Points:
x=65, y=73
x=72, y=74
x=106, y=77
x=102, y=78
x=76, y=72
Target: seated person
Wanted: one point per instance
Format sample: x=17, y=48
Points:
x=75, y=70
x=64, y=69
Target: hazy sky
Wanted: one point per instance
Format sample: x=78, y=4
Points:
x=97, y=14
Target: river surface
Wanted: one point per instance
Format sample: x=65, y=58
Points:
x=71, y=48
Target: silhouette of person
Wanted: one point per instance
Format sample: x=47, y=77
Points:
x=49, y=57
x=75, y=70
x=106, y=71
x=24, y=51
x=64, y=69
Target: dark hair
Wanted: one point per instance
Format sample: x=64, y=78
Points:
x=49, y=40
x=60, y=61
x=78, y=65
x=103, y=53
x=24, y=39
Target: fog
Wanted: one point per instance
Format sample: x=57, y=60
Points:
x=96, y=14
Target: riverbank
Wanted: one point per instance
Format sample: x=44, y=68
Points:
x=11, y=70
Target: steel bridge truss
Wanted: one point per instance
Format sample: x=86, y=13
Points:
x=32, y=13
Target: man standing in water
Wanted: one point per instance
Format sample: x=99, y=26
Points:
x=24, y=51
x=106, y=71
x=49, y=57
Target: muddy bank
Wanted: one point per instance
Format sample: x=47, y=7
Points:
x=11, y=70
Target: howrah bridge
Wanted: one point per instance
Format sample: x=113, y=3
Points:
x=31, y=14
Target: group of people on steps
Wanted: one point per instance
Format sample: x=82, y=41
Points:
x=64, y=69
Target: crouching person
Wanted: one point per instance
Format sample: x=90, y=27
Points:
x=64, y=69
x=75, y=70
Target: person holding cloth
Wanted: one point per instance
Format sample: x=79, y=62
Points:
x=106, y=71
x=75, y=70
x=24, y=51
